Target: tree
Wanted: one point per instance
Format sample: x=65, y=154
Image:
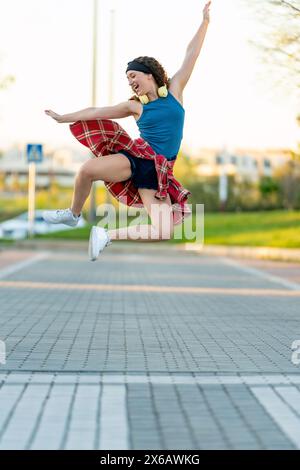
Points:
x=288, y=177
x=5, y=80
x=185, y=168
x=278, y=40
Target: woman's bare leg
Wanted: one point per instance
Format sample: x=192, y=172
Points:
x=115, y=168
x=111, y=168
x=161, y=215
x=81, y=192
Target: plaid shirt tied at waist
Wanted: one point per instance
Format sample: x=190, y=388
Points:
x=104, y=137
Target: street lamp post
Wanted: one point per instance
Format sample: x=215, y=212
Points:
x=92, y=214
x=223, y=182
x=111, y=57
x=111, y=73
x=223, y=185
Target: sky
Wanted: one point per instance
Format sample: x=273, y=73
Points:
x=47, y=45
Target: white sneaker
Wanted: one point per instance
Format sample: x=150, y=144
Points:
x=61, y=216
x=99, y=239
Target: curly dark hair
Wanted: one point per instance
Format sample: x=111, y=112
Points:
x=159, y=74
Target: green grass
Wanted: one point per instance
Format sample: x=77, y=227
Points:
x=4, y=241
x=269, y=228
x=73, y=234
x=272, y=228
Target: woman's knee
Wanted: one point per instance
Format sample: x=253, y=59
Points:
x=163, y=230
x=90, y=171
x=85, y=171
x=167, y=233
x=162, y=220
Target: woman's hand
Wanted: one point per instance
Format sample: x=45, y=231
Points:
x=206, y=12
x=55, y=116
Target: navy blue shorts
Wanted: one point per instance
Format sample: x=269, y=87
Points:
x=143, y=171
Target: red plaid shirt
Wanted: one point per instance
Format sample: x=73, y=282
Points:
x=104, y=137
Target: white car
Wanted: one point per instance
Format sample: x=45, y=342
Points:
x=18, y=227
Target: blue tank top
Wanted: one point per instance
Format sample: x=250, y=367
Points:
x=161, y=125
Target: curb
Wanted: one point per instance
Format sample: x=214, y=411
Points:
x=255, y=252
x=252, y=252
x=82, y=245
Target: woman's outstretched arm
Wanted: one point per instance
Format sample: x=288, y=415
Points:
x=182, y=76
x=195, y=45
x=118, y=111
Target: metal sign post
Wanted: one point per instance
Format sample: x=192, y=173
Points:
x=34, y=154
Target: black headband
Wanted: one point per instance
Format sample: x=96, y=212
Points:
x=134, y=65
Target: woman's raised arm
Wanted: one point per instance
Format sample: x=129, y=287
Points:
x=181, y=77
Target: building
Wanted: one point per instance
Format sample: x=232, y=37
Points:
x=59, y=165
x=245, y=164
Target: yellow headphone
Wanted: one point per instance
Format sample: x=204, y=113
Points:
x=162, y=92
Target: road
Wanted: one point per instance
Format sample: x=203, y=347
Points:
x=148, y=349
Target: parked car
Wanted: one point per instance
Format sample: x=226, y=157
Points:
x=18, y=227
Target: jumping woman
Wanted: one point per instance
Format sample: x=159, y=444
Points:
x=137, y=172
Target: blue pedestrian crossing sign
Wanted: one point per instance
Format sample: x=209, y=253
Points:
x=34, y=153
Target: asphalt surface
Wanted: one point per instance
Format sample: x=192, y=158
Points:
x=148, y=349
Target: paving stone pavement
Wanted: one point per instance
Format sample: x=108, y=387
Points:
x=147, y=350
